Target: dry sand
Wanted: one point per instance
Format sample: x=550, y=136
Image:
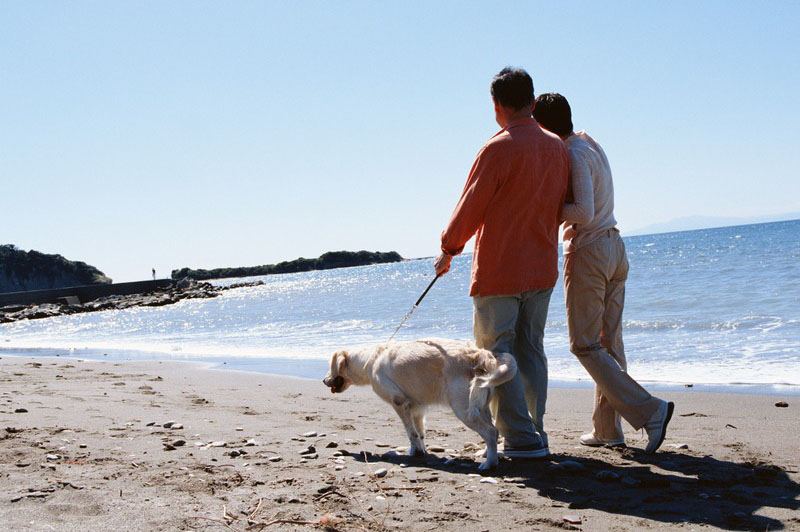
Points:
x=90, y=452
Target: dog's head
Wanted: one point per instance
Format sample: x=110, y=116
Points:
x=337, y=379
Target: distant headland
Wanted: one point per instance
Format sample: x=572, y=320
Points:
x=32, y=270
x=326, y=261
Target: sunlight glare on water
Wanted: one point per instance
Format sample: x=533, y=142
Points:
x=712, y=306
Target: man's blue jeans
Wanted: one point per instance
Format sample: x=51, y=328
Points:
x=515, y=324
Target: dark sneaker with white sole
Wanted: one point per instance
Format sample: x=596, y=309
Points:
x=533, y=450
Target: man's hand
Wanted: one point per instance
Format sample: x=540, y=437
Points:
x=442, y=264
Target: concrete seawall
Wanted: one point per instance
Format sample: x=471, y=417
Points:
x=81, y=294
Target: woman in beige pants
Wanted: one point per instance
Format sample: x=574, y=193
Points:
x=595, y=271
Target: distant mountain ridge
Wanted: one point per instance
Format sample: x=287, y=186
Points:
x=326, y=261
x=32, y=270
x=690, y=223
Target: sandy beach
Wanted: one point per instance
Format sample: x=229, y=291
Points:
x=151, y=446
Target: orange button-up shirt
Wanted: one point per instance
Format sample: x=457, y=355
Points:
x=512, y=200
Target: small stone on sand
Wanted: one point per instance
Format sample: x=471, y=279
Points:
x=679, y=445
x=630, y=481
x=567, y=465
x=606, y=475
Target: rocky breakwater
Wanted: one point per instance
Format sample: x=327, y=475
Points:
x=184, y=289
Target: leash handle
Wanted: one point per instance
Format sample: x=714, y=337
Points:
x=426, y=291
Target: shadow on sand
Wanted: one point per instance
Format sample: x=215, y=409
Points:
x=668, y=487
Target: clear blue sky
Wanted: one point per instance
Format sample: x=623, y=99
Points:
x=208, y=134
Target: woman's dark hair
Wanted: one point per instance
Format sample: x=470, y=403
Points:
x=513, y=87
x=553, y=113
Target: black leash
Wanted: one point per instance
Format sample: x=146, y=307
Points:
x=410, y=312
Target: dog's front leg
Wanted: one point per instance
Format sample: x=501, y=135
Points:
x=403, y=409
x=418, y=417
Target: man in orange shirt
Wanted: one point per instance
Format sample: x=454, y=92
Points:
x=512, y=201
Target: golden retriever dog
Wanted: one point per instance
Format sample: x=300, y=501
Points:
x=413, y=376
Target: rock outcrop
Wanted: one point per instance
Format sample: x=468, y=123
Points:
x=31, y=270
x=326, y=261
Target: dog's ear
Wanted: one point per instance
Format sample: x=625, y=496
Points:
x=340, y=361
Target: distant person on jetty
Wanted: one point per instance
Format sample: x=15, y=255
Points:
x=595, y=270
x=154, y=274
x=512, y=200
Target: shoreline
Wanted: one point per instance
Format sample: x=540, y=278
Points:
x=315, y=369
x=85, y=446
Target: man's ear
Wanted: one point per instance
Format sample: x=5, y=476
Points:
x=341, y=362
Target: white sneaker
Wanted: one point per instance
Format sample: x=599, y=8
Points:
x=656, y=426
x=590, y=440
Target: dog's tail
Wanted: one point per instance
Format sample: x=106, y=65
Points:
x=492, y=370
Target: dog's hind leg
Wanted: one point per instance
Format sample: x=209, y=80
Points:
x=481, y=422
x=489, y=433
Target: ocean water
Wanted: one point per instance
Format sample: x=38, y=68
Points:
x=715, y=307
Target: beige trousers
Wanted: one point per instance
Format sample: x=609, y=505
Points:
x=594, y=282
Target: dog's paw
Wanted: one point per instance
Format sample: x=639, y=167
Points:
x=416, y=451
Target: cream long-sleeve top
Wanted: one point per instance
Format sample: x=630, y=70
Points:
x=591, y=213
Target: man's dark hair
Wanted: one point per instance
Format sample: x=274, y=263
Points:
x=513, y=87
x=553, y=113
